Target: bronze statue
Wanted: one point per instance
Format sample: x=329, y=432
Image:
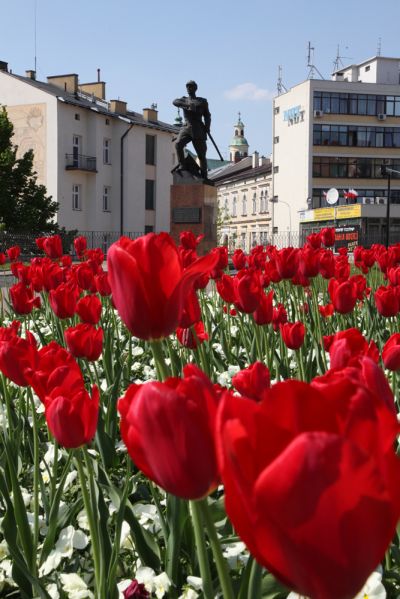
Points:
x=195, y=128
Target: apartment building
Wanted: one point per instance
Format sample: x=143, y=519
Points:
x=108, y=167
x=336, y=134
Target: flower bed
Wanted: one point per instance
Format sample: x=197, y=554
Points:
x=171, y=430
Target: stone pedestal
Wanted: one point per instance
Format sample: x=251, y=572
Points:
x=194, y=208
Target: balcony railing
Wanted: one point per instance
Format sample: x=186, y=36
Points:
x=80, y=162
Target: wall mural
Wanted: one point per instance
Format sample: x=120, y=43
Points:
x=30, y=134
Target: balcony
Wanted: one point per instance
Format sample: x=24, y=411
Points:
x=79, y=162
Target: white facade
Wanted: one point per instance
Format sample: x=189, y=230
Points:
x=77, y=144
x=360, y=102
x=244, y=194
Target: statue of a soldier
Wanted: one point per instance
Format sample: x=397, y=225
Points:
x=195, y=128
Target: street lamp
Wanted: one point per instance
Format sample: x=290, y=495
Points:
x=387, y=172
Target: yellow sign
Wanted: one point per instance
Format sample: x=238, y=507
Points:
x=353, y=211
x=339, y=213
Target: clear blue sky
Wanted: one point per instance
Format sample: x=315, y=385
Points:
x=148, y=50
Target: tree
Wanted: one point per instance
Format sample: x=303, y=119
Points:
x=24, y=205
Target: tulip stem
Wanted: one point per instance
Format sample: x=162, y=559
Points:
x=159, y=359
x=92, y=523
x=35, y=481
x=254, y=588
x=220, y=562
x=204, y=565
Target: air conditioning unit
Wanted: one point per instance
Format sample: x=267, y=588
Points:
x=381, y=117
x=368, y=200
x=381, y=200
x=318, y=113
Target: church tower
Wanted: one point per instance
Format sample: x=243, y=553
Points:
x=238, y=148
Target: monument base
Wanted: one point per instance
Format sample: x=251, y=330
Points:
x=194, y=208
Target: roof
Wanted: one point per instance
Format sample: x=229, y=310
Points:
x=359, y=64
x=239, y=141
x=85, y=100
x=238, y=170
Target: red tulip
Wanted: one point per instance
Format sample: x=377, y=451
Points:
x=168, y=429
x=22, y=299
x=52, y=247
x=88, y=309
x=326, y=264
x=193, y=336
x=248, y=291
x=305, y=469
x=84, y=276
x=391, y=352
x=63, y=299
x=189, y=241
x=293, y=334
x=102, y=284
x=286, y=261
x=239, y=259
x=264, y=312
x=66, y=261
x=343, y=295
x=17, y=354
x=279, y=316
x=13, y=252
x=252, y=381
x=191, y=312
x=327, y=310
x=52, y=274
x=387, y=301
x=149, y=285
x=72, y=415
x=314, y=240
x=328, y=236
x=84, y=341
x=226, y=288
x=80, y=245
x=346, y=345
x=3, y=258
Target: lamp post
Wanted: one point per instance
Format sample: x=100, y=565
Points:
x=275, y=200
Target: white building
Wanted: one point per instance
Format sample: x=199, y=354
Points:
x=337, y=134
x=108, y=167
x=244, y=195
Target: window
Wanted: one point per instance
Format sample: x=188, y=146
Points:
x=148, y=229
x=234, y=206
x=276, y=110
x=276, y=169
x=262, y=202
x=107, y=151
x=77, y=117
x=254, y=204
x=76, y=149
x=244, y=206
x=368, y=68
x=76, y=197
x=276, y=139
x=150, y=195
x=106, y=199
x=107, y=121
x=150, y=149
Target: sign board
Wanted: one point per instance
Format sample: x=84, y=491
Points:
x=186, y=214
x=321, y=214
x=347, y=237
x=293, y=115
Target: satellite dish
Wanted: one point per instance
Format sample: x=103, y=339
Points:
x=332, y=195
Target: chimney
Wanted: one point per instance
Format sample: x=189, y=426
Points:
x=96, y=89
x=68, y=83
x=3, y=66
x=98, y=75
x=118, y=106
x=30, y=74
x=150, y=114
x=254, y=162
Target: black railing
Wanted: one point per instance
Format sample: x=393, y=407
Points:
x=80, y=162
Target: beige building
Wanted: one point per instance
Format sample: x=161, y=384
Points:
x=108, y=167
x=244, y=194
x=336, y=134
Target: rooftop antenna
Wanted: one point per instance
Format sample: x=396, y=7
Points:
x=310, y=63
x=379, y=49
x=338, y=62
x=35, y=13
x=280, y=86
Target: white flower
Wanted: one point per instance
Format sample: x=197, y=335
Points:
x=188, y=593
x=145, y=576
x=3, y=550
x=68, y=540
x=125, y=539
x=195, y=582
x=137, y=351
x=224, y=379
x=136, y=366
x=52, y=591
x=75, y=587
x=235, y=555
x=148, y=516
x=161, y=585
x=69, y=479
x=82, y=520
x=234, y=330
x=122, y=585
x=373, y=588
